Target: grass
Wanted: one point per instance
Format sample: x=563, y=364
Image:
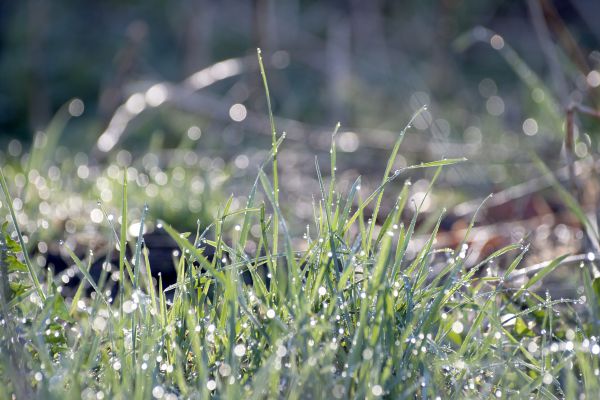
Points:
x=351, y=315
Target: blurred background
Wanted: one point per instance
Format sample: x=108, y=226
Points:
x=169, y=93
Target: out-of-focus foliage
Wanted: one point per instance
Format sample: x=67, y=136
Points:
x=495, y=74
x=369, y=65
x=357, y=62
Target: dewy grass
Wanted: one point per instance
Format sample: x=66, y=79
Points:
x=352, y=316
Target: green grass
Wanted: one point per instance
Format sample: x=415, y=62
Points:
x=352, y=315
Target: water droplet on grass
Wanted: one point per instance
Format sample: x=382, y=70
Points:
x=377, y=390
x=158, y=392
x=239, y=350
x=129, y=306
x=457, y=327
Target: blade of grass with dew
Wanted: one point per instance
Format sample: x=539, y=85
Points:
x=401, y=206
x=138, y=249
x=30, y=269
x=417, y=212
x=278, y=285
x=441, y=297
x=333, y=160
x=136, y=282
x=421, y=260
x=383, y=256
x=123, y=244
x=216, y=261
x=274, y=147
x=391, y=178
x=85, y=273
x=250, y=202
x=484, y=310
x=293, y=280
x=538, y=276
x=474, y=269
x=185, y=245
x=463, y=242
x=348, y=205
x=328, y=211
x=388, y=169
x=79, y=292
x=348, y=268
x=118, y=241
x=390, y=221
x=149, y=283
x=403, y=242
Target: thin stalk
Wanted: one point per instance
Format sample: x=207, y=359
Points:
x=274, y=147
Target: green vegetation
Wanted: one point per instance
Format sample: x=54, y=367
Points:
x=351, y=314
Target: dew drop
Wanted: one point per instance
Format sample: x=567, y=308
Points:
x=158, y=392
x=377, y=390
x=239, y=350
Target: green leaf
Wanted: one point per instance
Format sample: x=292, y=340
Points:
x=55, y=307
x=538, y=276
x=521, y=328
x=18, y=288
x=14, y=265
x=596, y=288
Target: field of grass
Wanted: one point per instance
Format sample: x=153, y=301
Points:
x=345, y=311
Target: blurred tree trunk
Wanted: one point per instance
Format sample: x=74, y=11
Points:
x=265, y=32
x=125, y=65
x=37, y=91
x=338, y=60
x=198, y=35
x=589, y=11
x=368, y=27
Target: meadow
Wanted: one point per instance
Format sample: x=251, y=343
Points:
x=361, y=301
